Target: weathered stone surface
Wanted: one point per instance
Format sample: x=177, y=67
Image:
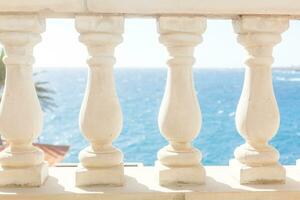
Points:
x=180, y=116
x=31, y=176
x=42, y=5
x=109, y=176
x=21, y=119
x=101, y=117
x=264, y=174
x=211, y=7
x=142, y=184
x=154, y=7
x=257, y=116
x=180, y=175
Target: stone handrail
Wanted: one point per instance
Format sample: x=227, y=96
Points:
x=224, y=8
x=181, y=23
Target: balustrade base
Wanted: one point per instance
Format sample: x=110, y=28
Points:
x=113, y=176
x=141, y=183
x=180, y=175
x=25, y=177
x=257, y=175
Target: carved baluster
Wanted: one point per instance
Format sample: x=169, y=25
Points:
x=180, y=116
x=21, y=117
x=257, y=115
x=100, y=115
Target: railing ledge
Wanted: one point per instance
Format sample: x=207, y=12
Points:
x=141, y=183
x=218, y=8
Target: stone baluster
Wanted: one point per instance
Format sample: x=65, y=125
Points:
x=100, y=115
x=180, y=116
x=21, y=117
x=257, y=115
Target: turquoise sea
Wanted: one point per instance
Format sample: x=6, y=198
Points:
x=140, y=92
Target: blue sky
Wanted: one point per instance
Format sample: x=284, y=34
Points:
x=60, y=46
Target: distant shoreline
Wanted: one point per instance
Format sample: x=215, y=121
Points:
x=291, y=68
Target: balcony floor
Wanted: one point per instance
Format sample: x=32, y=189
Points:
x=141, y=184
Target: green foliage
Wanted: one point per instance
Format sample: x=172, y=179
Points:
x=45, y=95
x=43, y=92
x=2, y=68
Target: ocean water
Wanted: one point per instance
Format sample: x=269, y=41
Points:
x=140, y=92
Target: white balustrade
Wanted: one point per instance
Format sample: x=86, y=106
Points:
x=257, y=115
x=180, y=25
x=21, y=117
x=100, y=115
x=180, y=115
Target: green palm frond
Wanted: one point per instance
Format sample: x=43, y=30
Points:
x=43, y=91
x=42, y=87
x=44, y=94
x=2, y=69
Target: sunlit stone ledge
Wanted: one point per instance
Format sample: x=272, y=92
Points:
x=142, y=184
x=219, y=8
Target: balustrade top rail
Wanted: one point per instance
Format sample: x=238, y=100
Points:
x=220, y=8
